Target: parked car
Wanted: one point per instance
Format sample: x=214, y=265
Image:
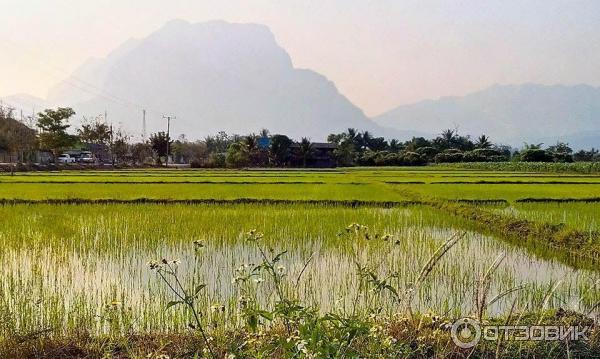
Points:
x=87, y=157
x=66, y=158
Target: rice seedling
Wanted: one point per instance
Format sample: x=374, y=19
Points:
x=75, y=253
x=576, y=215
x=74, y=260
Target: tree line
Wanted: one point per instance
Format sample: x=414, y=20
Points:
x=350, y=148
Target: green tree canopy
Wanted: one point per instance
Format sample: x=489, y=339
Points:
x=53, y=125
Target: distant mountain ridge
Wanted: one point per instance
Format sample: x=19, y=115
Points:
x=218, y=76
x=214, y=76
x=511, y=114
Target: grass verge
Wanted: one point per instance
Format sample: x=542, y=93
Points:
x=574, y=247
x=425, y=336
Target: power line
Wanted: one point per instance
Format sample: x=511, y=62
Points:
x=87, y=87
x=80, y=84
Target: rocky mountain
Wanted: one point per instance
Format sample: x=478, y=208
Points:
x=212, y=76
x=216, y=76
x=511, y=114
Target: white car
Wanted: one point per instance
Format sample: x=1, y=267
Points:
x=87, y=157
x=66, y=158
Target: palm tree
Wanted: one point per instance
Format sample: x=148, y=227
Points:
x=352, y=133
x=355, y=138
x=483, y=141
x=532, y=146
x=447, y=138
x=306, y=150
x=395, y=145
x=264, y=133
x=250, y=143
x=250, y=146
x=366, y=139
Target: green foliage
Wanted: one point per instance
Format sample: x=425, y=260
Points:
x=305, y=151
x=237, y=155
x=551, y=167
x=536, y=155
x=483, y=142
x=449, y=156
x=280, y=150
x=586, y=156
x=95, y=132
x=161, y=143
x=53, y=125
x=141, y=153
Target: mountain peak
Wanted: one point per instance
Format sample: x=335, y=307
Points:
x=214, y=76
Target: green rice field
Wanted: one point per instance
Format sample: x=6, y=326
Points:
x=76, y=245
x=349, y=184
x=576, y=215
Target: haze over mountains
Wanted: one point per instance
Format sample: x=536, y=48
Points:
x=511, y=114
x=234, y=77
x=213, y=76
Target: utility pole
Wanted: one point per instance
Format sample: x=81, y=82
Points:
x=168, y=135
x=144, y=125
x=110, y=145
x=32, y=122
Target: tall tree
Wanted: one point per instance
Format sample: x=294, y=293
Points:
x=218, y=143
x=355, y=138
x=532, y=146
x=483, y=141
x=141, y=152
x=161, y=143
x=251, y=147
x=306, y=150
x=446, y=139
x=53, y=125
x=279, y=150
x=560, y=147
x=95, y=132
x=237, y=155
x=120, y=146
x=395, y=145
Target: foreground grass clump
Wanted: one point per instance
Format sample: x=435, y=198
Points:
x=289, y=328
x=425, y=336
x=564, y=239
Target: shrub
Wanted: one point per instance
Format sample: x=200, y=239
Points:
x=536, y=155
x=412, y=159
x=428, y=152
x=449, y=156
x=562, y=157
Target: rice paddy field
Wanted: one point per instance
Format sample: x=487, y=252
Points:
x=76, y=245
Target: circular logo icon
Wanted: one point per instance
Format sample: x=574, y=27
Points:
x=466, y=333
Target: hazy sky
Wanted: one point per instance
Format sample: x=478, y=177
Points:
x=380, y=53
